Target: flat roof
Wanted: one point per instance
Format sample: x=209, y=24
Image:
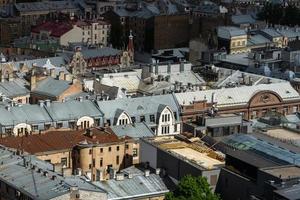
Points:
x=193, y=151
x=284, y=172
x=282, y=133
x=200, y=158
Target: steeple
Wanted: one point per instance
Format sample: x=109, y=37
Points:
x=130, y=46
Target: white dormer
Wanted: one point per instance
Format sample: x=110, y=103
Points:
x=123, y=119
x=167, y=122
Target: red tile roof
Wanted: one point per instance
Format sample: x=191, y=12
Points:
x=58, y=140
x=56, y=29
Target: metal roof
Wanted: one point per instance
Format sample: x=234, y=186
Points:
x=262, y=148
x=23, y=114
x=18, y=172
x=72, y=109
x=227, y=32
x=45, y=6
x=238, y=95
x=14, y=88
x=136, y=130
x=148, y=105
x=102, y=52
x=52, y=87
x=136, y=187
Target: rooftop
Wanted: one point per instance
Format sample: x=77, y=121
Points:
x=34, y=177
x=136, y=187
x=56, y=29
x=58, y=140
x=194, y=152
x=284, y=172
x=261, y=149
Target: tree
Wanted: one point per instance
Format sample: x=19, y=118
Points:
x=192, y=188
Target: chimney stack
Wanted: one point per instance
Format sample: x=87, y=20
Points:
x=32, y=82
x=52, y=73
x=61, y=75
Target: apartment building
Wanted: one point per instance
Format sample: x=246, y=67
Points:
x=97, y=153
x=95, y=32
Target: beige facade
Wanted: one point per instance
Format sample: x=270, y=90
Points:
x=99, y=161
x=96, y=33
x=238, y=44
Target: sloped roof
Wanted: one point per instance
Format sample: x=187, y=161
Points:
x=57, y=140
x=137, y=130
x=52, y=87
x=137, y=186
x=23, y=114
x=56, y=29
x=242, y=19
x=14, y=88
x=73, y=109
x=227, y=32
x=101, y=52
x=137, y=106
x=238, y=95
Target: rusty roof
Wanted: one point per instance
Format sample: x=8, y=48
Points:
x=59, y=140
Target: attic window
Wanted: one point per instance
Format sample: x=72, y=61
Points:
x=287, y=92
x=140, y=107
x=229, y=97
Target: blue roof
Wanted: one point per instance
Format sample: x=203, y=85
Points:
x=14, y=88
x=102, y=52
x=242, y=19
x=266, y=149
x=137, y=130
x=23, y=114
x=73, y=109
x=52, y=87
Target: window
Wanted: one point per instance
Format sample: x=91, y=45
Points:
x=90, y=166
x=109, y=149
x=142, y=118
x=118, y=148
x=108, y=122
x=35, y=127
x=72, y=125
x=8, y=130
x=175, y=115
x=127, y=146
x=135, y=152
x=165, y=129
x=117, y=160
x=101, y=162
x=213, y=179
x=64, y=161
x=152, y=118
x=101, y=150
x=133, y=119
x=94, y=162
x=90, y=151
x=59, y=125
x=175, y=127
x=77, y=196
x=49, y=161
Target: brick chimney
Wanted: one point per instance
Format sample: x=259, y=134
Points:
x=61, y=75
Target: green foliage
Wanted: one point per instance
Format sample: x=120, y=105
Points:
x=192, y=188
x=277, y=14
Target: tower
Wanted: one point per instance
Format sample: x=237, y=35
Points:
x=130, y=47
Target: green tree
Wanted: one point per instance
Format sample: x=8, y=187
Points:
x=192, y=188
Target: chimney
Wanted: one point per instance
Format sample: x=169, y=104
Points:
x=61, y=75
x=47, y=102
x=41, y=103
x=32, y=82
x=52, y=73
x=8, y=108
x=74, y=81
x=157, y=171
x=147, y=172
x=80, y=99
x=119, y=176
x=10, y=77
x=67, y=77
